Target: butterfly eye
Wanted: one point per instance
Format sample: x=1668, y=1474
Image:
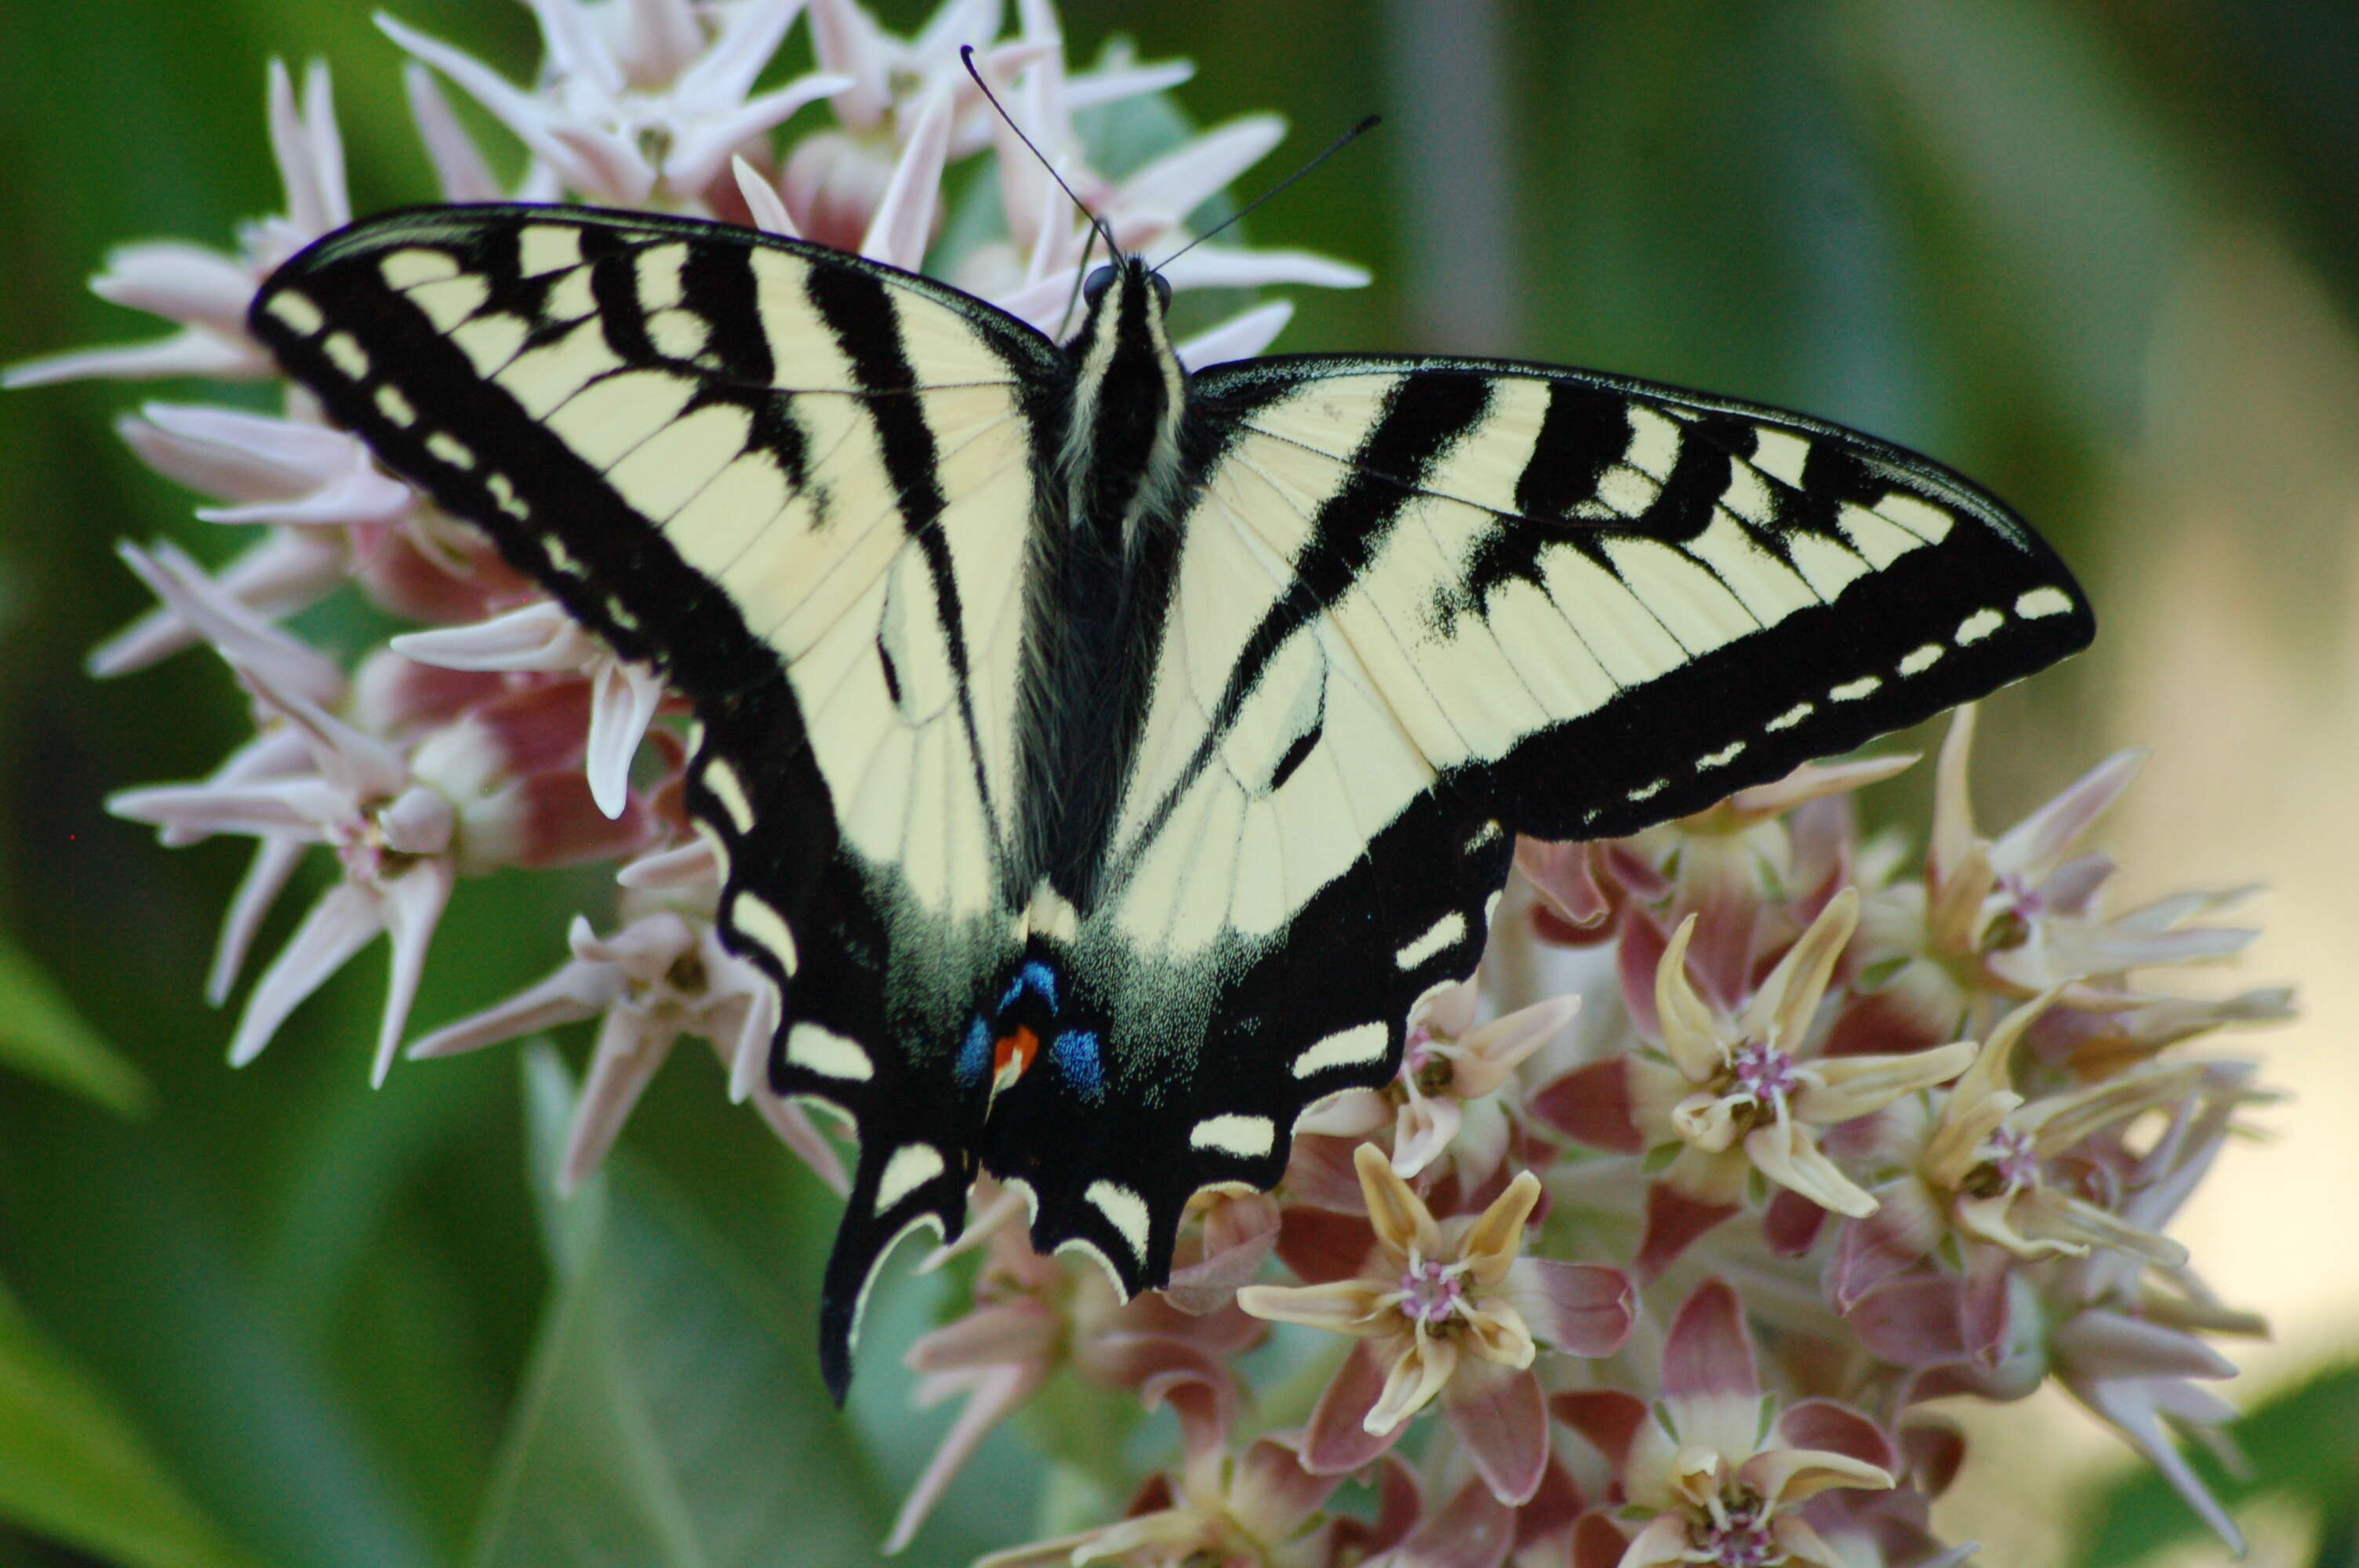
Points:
x=1162, y=289
x=1093, y=286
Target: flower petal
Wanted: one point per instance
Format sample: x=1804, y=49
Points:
x=995, y=1393
x=459, y=165
x=345, y=920
x=1786, y=1153
x=623, y=699
x=1474, y=1529
x=1839, y=1088
x=1499, y=1416
x=1610, y=1419
x=411, y=905
x=1272, y=1494
x=1342, y=1306
x=1347, y=1113
x=1708, y=1354
x=1906, y=1225
x=1591, y=1105
x=274, y=860
x=1422, y=1132
x=1402, y=1221
x=1912, y=1323
x=1781, y=1009
x=1673, y=1221
x=1321, y=1244
x=903, y=224
x=1585, y=1309
x=1802, y=1544
x=1489, y=1055
x=1489, y=1248
x=578, y=990
x=1691, y=1034
x=761, y=201
x=1421, y=1368
x=1665, y=1540
x=2034, y=845
x=1337, y=1439
x=1835, y=1428
x=1241, y=337
x=631, y=1046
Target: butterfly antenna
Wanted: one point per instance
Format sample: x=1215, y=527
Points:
x=1081, y=271
x=1337, y=145
x=966, y=57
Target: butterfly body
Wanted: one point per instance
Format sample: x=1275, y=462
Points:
x=1105, y=757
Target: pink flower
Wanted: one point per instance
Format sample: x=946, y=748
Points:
x=1719, y=1480
x=648, y=117
x=1225, y=1237
x=2134, y=1350
x=467, y=796
x=2012, y=916
x=662, y=976
x=1032, y=1314
x=1444, y=1103
x=1981, y=1167
x=1740, y=1091
x=1448, y=1310
x=1259, y=1508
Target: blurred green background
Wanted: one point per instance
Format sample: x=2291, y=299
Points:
x=2103, y=256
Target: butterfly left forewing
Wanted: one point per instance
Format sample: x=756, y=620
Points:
x=802, y=484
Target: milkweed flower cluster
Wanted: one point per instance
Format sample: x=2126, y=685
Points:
x=1755, y=1138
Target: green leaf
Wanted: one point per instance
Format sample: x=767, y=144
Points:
x=73, y=1469
x=42, y=1036
x=2300, y=1446
x=673, y=1413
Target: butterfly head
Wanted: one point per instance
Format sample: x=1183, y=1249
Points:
x=1135, y=269
x=1125, y=301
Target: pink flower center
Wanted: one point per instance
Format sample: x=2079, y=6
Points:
x=2023, y=899
x=1430, y=1292
x=1763, y=1072
x=2013, y=1158
x=1424, y=1068
x=1741, y=1540
x=359, y=848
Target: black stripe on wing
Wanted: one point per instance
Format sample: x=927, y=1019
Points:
x=1976, y=601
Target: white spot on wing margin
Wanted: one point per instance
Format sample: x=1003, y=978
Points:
x=1125, y=1210
x=1344, y=1048
x=1248, y=1137
x=1446, y=932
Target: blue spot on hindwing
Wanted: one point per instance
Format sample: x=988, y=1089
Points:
x=1075, y=1051
x=1035, y=976
x=975, y=1055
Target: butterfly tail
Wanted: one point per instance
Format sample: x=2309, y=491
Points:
x=898, y=1188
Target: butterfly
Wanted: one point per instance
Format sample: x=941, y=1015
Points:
x=1106, y=756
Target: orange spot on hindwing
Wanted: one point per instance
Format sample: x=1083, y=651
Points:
x=1013, y=1054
